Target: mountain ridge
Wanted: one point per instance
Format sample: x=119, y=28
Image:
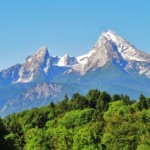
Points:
x=113, y=64
x=109, y=47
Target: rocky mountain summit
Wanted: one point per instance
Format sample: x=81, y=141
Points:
x=110, y=48
x=113, y=64
x=113, y=48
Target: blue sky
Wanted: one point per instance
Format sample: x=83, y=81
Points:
x=68, y=26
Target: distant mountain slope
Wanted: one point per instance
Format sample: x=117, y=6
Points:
x=113, y=64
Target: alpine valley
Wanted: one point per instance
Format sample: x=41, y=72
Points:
x=113, y=65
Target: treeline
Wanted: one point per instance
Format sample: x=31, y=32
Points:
x=97, y=121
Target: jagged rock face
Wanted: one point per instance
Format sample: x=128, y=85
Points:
x=128, y=51
x=67, y=61
x=37, y=64
x=136, y=60
x=31, y=96
x=112, y=62
x=40, y=64
x=102, y=54
x=10, y=75
x=43, y=91
x=109, y=48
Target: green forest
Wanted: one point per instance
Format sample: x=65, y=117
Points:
x=97, y=121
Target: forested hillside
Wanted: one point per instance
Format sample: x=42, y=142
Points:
x=97, y=121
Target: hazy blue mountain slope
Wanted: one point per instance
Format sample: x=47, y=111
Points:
x=113, y=65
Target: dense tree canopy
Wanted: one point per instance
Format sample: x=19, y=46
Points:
x=97, y=121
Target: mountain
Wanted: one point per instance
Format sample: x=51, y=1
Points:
x=113, y=48
x=113, y=64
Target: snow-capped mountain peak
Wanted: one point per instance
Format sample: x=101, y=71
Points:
x=42, y=51
x=114, y=37
x=39, y=55
x=112, y=47
x=127, y=50
x=67, y=61
x=38, y=62
x=64, y=61
x=113, y=64
x=120, y=42
x=102, y=53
